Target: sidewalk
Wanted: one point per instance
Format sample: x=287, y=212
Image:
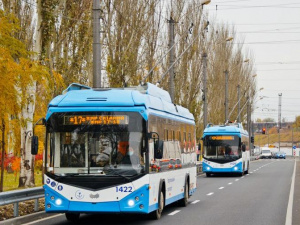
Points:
x=296, y=202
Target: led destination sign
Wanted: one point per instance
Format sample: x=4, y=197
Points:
x=221, y=138
x=95, y=120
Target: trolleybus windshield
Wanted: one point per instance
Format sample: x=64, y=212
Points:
x=224, y=148
x=95, y=143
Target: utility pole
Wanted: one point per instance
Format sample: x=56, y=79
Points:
x=292, y=139
x=239, y=104
x=171, y=58
x=249, y=122
x=279, y=118
x=204, y=96
x=226, y=95
x=96, y=45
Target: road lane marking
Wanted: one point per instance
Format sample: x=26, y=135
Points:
x=229, y=183
x=247, y=174
x=196, y=201
x=289, y=211
x=47, y=218
x=237, y=179
x=173, y=213
x=251, y=172
x=221, y=188
x=211, y=193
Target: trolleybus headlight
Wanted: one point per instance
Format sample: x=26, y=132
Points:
x=208, y=168
x=130, y=202
x=52, y=197
x=141, y=206
x=137, y=198
x=48, y=206
x=235, y=168
x=58, y=201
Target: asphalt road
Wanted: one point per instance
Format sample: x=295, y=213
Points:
x=259, y=198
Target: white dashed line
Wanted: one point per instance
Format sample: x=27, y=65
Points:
x=173, y=213
x=237, y=179
x=47, y=218
x=251, y=172
x=221, y=188
x=196, y=201
x=229, y=183
x=211, y=193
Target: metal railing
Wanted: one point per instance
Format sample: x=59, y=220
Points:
x=14, y=197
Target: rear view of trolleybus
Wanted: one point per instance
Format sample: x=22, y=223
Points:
x=226, y=149
x=102, y=145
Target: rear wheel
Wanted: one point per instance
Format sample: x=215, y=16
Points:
x=161, y=203
x=184, y=201
x=73, y=217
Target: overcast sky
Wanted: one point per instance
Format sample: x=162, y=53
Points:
x=271, y=30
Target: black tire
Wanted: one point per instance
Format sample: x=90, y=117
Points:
x=155, y=215
x=208, y=174
x=184, y=201
x=73, y=217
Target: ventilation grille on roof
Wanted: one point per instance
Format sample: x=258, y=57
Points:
x=96, y=99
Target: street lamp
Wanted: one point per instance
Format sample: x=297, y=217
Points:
x=205, y=2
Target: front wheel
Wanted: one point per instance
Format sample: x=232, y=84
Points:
x=73, y=217
x=247, y=171
x=161, y=203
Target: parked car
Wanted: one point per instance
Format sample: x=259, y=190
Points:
x=280, y=155
x=266, y=153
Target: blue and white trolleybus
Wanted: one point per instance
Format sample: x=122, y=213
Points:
x=225, y=149
x=117, y=150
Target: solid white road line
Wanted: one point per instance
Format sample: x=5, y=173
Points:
x=196, y=201
x=47, y=218
x=211, y=193
x=173, y=213
x=289, y=211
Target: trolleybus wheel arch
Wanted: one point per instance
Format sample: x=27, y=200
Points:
x=73, y=217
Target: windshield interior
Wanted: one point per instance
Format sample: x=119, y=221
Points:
x=222, y=147
x=114, y=148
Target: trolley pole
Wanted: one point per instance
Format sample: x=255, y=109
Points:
x=96, y=45
x=239, y=104
x=204, y=96
x=171, y=58
x=226, y=95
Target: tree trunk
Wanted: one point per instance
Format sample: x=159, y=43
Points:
x=27, y=160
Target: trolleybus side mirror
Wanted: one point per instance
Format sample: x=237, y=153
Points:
x=243, y=147
x=158, y=145
x=158, y=149
x=34, y=145
x=35, y=139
